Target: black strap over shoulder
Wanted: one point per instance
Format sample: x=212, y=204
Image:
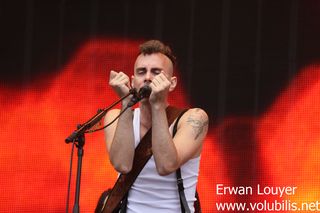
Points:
x=182, y=196
x=143, y=153
x=116, y=198
x=183, y=201
x=175, y=127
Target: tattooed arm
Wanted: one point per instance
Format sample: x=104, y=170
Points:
x=198, y=121
x=169, y=153
x=191, y=132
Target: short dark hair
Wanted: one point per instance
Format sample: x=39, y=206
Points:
x=156, y=46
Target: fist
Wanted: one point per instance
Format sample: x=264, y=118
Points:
x=160, y=87
x=119, y=82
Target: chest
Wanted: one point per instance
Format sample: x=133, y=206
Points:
x=144, y=129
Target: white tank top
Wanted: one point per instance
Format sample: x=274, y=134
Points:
x=159, y=194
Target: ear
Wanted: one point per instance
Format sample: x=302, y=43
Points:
x=173, y=83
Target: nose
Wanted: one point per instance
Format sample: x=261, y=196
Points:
x=148, y=77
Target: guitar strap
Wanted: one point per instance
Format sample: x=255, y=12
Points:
x=143, y=152
x=183, y=201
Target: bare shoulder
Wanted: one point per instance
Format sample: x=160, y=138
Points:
x=198, y=120
x=111, y=114
x=197, y=113
x=109, y=132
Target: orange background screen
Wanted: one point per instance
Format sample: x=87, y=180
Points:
x=281, y=147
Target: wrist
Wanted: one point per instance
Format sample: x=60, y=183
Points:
x=125, y=101
x=158, y=106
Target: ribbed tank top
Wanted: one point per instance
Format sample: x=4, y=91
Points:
x=152, y=193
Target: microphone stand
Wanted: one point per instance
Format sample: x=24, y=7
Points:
x=78, y=136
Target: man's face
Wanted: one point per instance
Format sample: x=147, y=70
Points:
x=148, y=66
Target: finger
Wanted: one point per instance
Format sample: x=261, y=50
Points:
x=153, y=86
x=128, y=85
x=122, y=76
x=163, y=80
x=162, y=77
x=123, y=80
x=156, y=82
x=166, y=79
x=113, y=74
x=119, y=76
x=164, y=74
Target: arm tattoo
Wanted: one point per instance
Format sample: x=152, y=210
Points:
x=197, y=124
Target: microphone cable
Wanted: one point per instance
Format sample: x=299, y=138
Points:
x=144, y=92
x=95, y=130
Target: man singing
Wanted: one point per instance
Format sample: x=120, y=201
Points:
x=155, y=189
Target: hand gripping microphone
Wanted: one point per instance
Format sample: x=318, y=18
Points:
x=144, y=92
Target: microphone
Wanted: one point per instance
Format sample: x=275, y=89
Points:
x=144, y=92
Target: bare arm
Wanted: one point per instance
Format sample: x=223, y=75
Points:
x=120, y=140
x=119, y=136
x=170, y=154
x=164, y=151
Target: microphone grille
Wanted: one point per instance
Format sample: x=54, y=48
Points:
x=145, y=91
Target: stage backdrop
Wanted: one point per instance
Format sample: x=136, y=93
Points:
x=281, y=147
x=253, y=66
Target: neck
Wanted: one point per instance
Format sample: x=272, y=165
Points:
x=146, y=114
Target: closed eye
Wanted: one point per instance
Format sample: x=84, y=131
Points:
x=141, y=71
x=156, y=71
